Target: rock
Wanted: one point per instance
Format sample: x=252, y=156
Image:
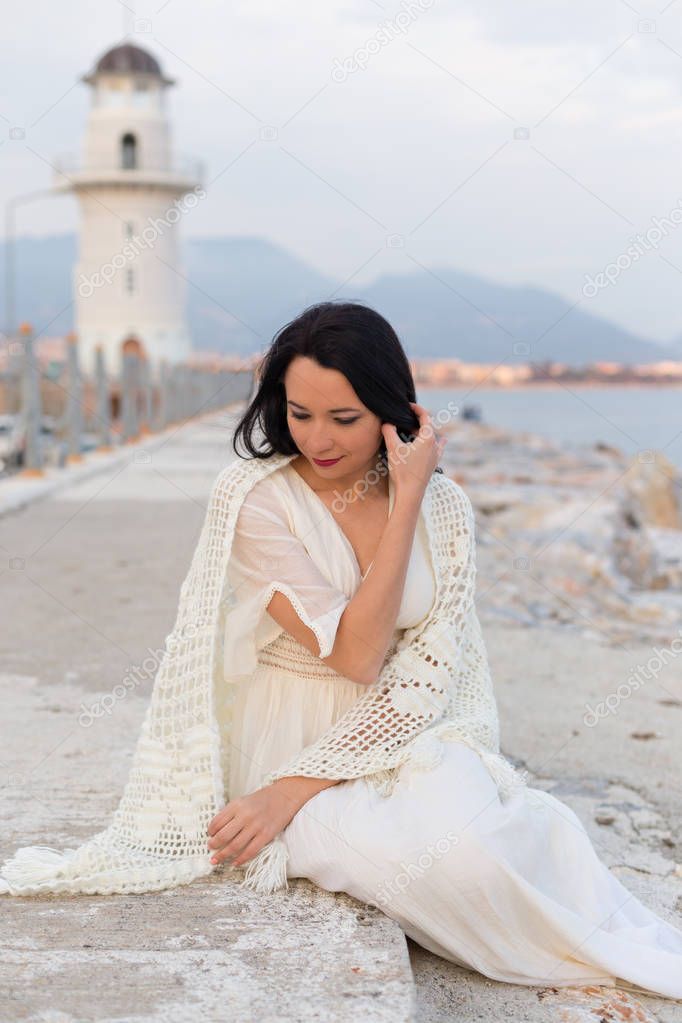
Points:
x=650, y=556
x=561, y=547
x=667, y=545
x=647, y=536
x=578, y=1004
x=650, y=492
x=607, y=449
x=633, y=550
x=541, y=610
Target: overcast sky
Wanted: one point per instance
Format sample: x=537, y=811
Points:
x=410, y=161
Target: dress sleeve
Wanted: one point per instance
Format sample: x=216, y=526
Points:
x=267, y=556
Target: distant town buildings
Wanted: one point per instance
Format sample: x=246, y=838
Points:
x=444, y=373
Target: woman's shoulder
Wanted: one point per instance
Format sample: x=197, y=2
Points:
x=266, y=498
x=247, y=475
x=268, y=491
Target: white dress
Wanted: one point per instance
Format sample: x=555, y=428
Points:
x=514, y=890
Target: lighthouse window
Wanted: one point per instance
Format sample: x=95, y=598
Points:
x=110, y=94
x=129, y=229
x=130, y=280
x=141, y=94
x=128, y=152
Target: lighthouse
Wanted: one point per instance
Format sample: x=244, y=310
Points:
x=133, y=194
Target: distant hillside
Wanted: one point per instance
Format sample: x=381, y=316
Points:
x=477, y=320
x=676, y=347
x=244, y=290
x=43, y=269
x=240, y=291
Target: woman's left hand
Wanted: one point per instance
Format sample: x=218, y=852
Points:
x=241, y=829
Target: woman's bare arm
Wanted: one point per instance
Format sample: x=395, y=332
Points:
x=297, y=789
x=367, y=625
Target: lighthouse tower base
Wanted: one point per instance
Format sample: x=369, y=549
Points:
x=171, y=343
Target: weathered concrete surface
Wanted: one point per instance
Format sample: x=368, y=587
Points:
x=103, y=561
x=622, y=774
x=446, y=992
x=96, y=570
x=209, y=953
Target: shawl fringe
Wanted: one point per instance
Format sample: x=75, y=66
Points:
x=267, y=871
x=33, y=864
x=40, y=869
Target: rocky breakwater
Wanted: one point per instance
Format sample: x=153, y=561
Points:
x=574, y=537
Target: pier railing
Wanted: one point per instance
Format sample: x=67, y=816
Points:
x=52, y=412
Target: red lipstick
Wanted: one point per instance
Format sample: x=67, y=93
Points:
x=324, y=462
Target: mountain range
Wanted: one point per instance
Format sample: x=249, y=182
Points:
x=241, y=291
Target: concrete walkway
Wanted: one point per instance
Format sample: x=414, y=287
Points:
x=95, y=568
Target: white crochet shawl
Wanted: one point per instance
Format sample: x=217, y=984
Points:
x=436, y=686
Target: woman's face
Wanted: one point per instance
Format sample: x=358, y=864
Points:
x=327, y=420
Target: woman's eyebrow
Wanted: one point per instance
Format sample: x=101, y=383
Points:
x=330, y=410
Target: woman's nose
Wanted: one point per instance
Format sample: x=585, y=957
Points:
x=321, y=442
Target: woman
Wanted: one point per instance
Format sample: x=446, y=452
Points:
x=327, y=673
x=512, y=889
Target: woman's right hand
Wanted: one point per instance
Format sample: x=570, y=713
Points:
x=411, y=463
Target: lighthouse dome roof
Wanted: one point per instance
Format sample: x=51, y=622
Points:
x=128, y=58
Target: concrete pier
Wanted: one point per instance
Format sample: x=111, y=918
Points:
x=90, y=575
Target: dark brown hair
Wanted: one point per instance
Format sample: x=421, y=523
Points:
x=349, y=337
